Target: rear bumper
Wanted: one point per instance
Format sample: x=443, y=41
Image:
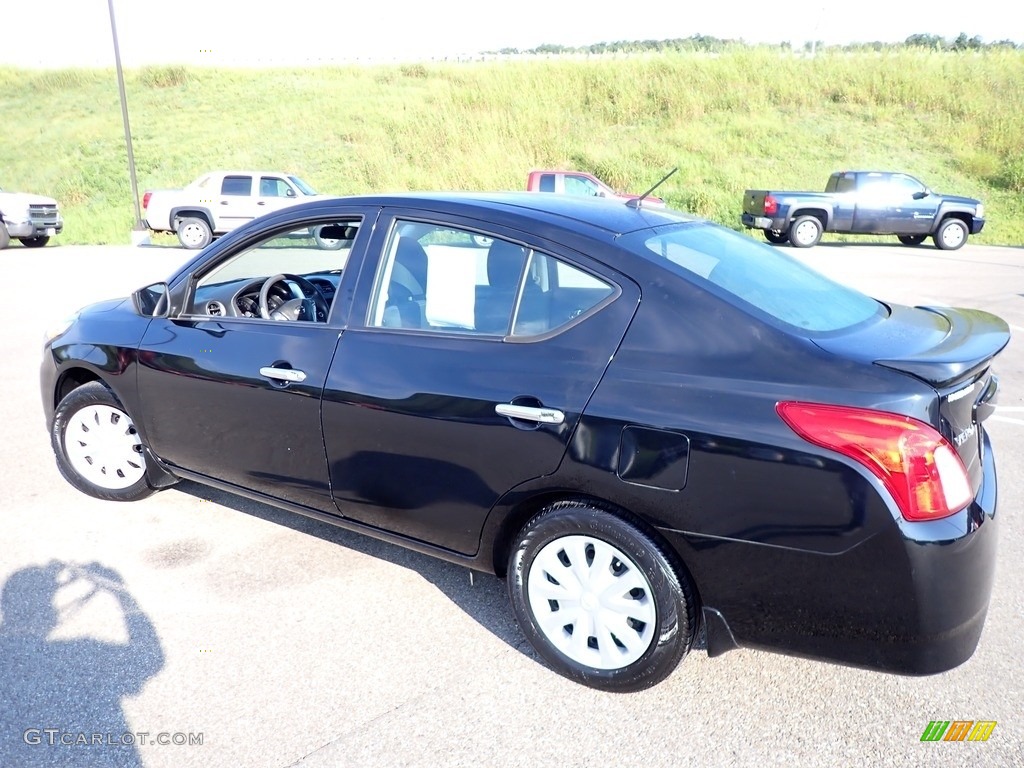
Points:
x=750, y=221
x=911, y=600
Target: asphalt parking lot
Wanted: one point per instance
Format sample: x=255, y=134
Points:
x=274, y=640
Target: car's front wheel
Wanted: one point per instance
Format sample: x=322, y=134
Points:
x=599, y=598
x=98, y=448
x=951, y=235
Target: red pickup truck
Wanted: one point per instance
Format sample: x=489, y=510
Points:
x=578, y=183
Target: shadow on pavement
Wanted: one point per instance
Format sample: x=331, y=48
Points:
x=60, y=699
x=485, y=599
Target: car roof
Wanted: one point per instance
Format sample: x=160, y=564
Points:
x=613, y=217
x=250, y=172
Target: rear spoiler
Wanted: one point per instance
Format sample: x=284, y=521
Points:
x=973, y=339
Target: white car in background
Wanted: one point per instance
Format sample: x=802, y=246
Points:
x=32, y=219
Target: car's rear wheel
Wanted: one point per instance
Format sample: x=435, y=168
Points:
x=911, y=239
x=98, y=448
x=805, y=231
x=951, y=235
x=194, y=233
x=776, y=236
x=599, y=598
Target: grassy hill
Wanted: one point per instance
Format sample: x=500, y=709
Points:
x=749, y=117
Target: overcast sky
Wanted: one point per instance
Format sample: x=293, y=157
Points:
x=231, y=32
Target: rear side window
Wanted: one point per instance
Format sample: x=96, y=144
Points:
x=443, y=279
x=236, y=185
x=757, y=274
x=846, y=183
x=547, y=182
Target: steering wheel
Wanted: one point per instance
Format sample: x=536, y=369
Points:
x=310, y=306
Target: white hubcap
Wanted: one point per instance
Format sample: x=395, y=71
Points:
x=806, y=232
x=193, y=234
x=952, y=236
x=104, y=447
x=591, y=602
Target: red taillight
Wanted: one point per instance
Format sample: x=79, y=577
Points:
x=145, y=199
x=915, y=463
x=771, y=205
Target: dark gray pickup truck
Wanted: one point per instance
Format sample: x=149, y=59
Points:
x=864, y=203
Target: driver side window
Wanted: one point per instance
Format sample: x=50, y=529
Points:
x=289, y=276
x=577, y=185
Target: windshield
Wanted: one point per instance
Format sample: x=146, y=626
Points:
x=304, y=188
x=755, y=273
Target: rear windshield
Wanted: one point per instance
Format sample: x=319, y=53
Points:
x=757, y=274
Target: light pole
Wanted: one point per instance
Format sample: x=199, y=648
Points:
x=124, y=116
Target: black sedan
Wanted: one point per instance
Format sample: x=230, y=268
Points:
x=648, y=424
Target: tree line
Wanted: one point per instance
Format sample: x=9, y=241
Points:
x=710, y=44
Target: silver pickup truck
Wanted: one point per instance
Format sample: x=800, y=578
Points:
x=864, y=203
x=33, y=219
x=219, y=201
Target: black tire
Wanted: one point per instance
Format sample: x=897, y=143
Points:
x=911, y=239
x=326, y=243
x=951, y=235
x=804, y=232
x=776, y=236
x=92, y=408
x=5, y=238
x=194, y=233
x=660, y=627
x=35, y=242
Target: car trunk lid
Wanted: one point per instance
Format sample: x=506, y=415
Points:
x=951, y=350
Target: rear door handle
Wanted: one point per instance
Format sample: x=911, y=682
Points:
x=283, y=374
x=526, y=413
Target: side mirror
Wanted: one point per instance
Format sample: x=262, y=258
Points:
x=921, y=195
x=152, y=301
x=290, y=192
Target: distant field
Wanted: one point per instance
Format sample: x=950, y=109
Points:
x=745, y=118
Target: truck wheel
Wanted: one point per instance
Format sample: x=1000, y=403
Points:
x=326, y=243
x=194, y=233
x=951, y=234
x=911, y=239
x=804, y=232
x=35, y=242
x=776, y=236
x=5, y=238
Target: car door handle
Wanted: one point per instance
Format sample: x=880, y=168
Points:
x=261, y=202
x=283, y=374
x=527, y=413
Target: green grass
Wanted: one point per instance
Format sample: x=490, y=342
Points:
x=750, y=117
